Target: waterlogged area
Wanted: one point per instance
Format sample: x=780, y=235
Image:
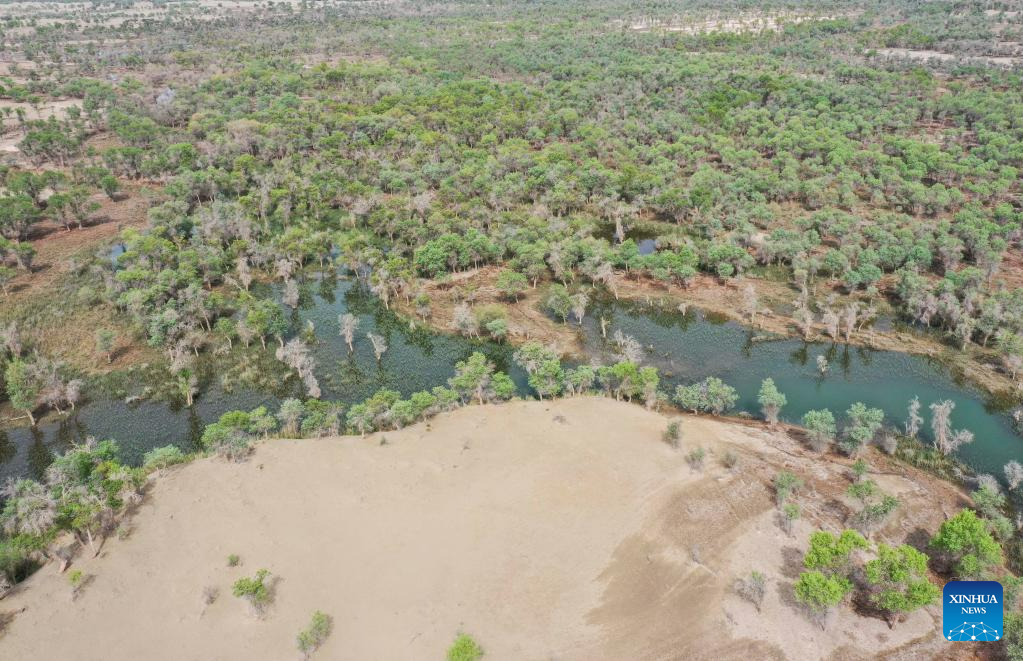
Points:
x=685, y=347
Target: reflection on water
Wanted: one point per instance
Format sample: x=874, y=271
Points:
x=686, y=347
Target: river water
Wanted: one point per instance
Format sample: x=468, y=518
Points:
x=686, y=347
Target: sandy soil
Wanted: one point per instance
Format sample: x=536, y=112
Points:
x=562, y=530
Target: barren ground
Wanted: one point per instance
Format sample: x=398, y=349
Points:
x=562, y=530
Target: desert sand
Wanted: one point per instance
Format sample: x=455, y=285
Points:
x=564, y=530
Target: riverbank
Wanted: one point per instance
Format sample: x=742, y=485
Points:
x=562, y=529
x=527, y=321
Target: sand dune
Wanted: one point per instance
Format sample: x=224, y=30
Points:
x=547, y=531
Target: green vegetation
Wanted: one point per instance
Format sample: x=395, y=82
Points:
x=899, y=577
x=312, y=637
x=256, y=591
x=967, y=545
x=464, y=649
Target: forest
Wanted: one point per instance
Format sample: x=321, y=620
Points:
x=847, y=171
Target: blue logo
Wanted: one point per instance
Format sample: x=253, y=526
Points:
x=972, y=610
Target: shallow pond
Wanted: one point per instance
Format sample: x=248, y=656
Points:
x=686, y=347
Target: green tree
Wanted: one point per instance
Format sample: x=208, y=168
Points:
x=967, y=544
x=820, y=428
x=899, y=578
x=23, y=386
x=512, y=284
x=473, y=378
x=771, y=400
x=862, y=424
x=821, y=593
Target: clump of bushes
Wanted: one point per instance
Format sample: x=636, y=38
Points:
x=257, y=591
x=312, y=637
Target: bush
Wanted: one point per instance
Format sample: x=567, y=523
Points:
x=752, y=588
x=785, y=484
x=255, y=590
x=464, y=649
x=313, y=636
x=695, y=458
x=158, y=458
x=673, y=434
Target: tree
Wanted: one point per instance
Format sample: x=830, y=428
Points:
x=23, y=386
x=295, y=354
x=379, y=345
x=832, y=553
x=820, y=428
x=914, y=420
x=348, y=323
x=967, y=544
x=512, y=284
x=771, y=401
x=531, y=355
x=820, y=593
x=710, y=395
x=558, y=302
x=945, y=439
x=862, y=424
x=899, y=578
x=110, y=186
x=473, y=378
x=547, y=379
x=1014, y=474
x=105, y=343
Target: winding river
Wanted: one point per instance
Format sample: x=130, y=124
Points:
x=686, y=347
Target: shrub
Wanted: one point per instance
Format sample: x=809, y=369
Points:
x=159, y=458
x=785, y=484
x=752, y=588
x=695, y=458
x=312, y=637
x=673, y=434
x=256, y=590
x=464, y=649
x=233, y=560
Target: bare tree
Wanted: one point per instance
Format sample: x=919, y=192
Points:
x=295, y=354
x=830, y=320
x=915, y=420
x=822, y=365
x=348, y=323
x=379, y=345
x=464, y=321
x=1014, y=474
x=290, y=294
x=750, y=302
x=579, y=302
x=629, y=348
x=851, y=312
x=244, y=272
x=945, y=439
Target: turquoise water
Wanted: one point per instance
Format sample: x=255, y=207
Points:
x=685, y=347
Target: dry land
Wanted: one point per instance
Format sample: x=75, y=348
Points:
x=564, y=530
